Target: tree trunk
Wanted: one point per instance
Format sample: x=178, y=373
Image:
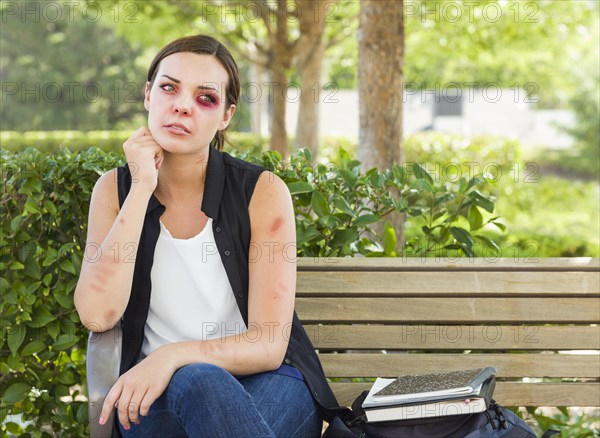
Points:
x=255, y=101
x=310, y=59
x=281, y=60
x=380, y=74
x=381, y=50
x=278, y=140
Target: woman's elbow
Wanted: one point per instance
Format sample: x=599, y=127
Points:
x=95, y=322
x=275, y=355
x=91, y=316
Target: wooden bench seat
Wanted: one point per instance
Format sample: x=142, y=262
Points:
x=536, y=322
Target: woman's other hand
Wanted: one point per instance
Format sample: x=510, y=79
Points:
x=145, y=157
x=136, y=390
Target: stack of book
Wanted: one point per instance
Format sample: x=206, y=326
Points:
x=430, y=395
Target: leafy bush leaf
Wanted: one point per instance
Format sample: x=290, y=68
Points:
x=344, y=237
x=475, y=218
x=16, y=392
x=366, y=219
x=389, y=240
x=33, y=347
x=16, y=336
x=462, y=235
x=319, y=204
x=41, y=316
x=300, y=187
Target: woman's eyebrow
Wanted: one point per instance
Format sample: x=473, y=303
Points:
x=201, y=87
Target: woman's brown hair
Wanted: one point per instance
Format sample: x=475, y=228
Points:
x=204, y=45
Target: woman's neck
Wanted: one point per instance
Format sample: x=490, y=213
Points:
x=181, y=178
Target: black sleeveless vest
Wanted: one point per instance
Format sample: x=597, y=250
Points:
x=228, y=188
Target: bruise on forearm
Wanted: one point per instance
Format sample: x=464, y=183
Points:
x=102, y=269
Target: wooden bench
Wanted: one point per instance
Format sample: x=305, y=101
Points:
x=531, y=319
x=536, y=321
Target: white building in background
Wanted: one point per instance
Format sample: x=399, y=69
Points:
x=504, y=112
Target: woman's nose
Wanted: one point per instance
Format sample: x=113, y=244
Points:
x=183, y=106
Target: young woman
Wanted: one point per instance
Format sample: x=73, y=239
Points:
x=196, y=260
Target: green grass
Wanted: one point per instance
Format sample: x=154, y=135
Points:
x=550, y=216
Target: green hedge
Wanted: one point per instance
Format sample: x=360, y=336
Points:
x=109, y=141
x=45, y=201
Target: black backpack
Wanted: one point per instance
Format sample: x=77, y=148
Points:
x=495, y=422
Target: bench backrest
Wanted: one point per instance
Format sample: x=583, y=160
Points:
x=536, y=321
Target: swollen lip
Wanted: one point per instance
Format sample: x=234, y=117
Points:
x=177, y=131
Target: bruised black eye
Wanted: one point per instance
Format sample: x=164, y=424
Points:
x=207, y=98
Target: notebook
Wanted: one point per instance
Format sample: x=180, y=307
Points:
x=418, y=387
x=433, y=408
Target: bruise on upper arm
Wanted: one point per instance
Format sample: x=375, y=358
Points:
x=272, y=222
x=271, y=207
x=273, y=233
x=276, y=224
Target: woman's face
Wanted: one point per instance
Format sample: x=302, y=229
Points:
x=186, y=104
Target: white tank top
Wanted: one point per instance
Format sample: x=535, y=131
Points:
x=191, y=296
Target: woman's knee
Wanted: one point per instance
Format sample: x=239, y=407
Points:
x=200, y=371
x=206, y=393
x=199, y=381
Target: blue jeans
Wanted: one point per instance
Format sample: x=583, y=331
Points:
x=204, y=400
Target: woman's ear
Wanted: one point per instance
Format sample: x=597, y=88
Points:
x=227, y=116
x=147, y=96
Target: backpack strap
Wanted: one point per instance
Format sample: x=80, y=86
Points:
x=338, y=429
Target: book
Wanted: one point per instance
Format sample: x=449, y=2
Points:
x=419, y=387
x=435, y=408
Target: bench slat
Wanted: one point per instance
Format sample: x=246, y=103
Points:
x=508, y=393
x=521, y=262
x=440, y=283
x=449, y=310
x=454, y=337
x=507, y=365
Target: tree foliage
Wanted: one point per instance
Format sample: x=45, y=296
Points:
x=64, y=70
x=536, y=44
